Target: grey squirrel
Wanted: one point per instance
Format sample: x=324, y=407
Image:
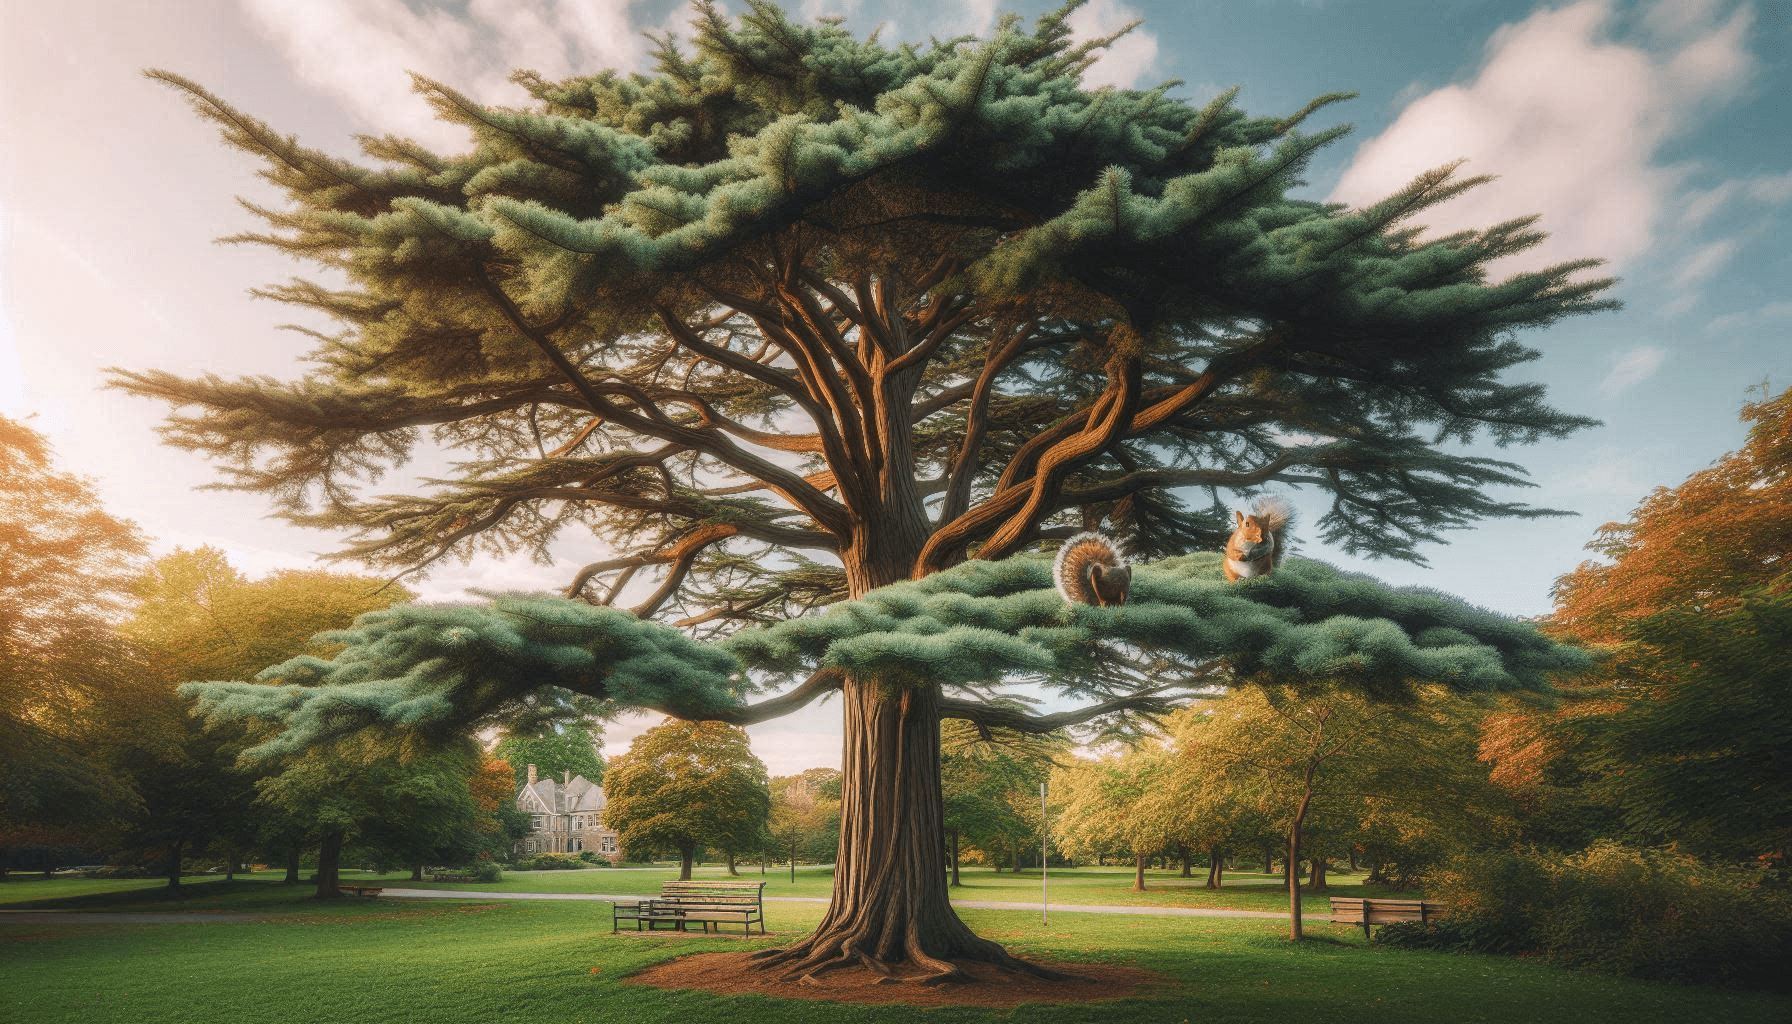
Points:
x=1090, y=570
x=1259, y=540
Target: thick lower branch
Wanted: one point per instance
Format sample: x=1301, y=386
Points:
x=987, y=716
x=823, y=682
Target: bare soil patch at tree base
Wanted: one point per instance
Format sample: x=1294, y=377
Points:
x=995, y=988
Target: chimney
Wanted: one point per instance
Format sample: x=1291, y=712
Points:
x=531, y=775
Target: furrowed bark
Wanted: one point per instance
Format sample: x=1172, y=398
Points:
x=889, y=909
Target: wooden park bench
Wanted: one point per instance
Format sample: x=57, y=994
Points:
x=680, y=904
x=369, y=891
x=1357, y=910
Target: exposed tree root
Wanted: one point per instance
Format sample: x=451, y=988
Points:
x=806, y=961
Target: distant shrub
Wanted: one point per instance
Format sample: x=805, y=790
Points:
x=1616, y=910
x=487, y=871
x=119, y=871
x=548, y=862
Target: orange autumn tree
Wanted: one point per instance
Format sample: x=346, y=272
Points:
x=1691, y=736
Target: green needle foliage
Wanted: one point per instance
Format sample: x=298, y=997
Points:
x=731, y=315
x=436, y=672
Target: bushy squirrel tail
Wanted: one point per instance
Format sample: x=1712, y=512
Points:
x=1274, y=512
x=1090, y=570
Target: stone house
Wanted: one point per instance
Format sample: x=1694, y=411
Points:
x=566, y=816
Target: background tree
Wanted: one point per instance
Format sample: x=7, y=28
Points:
x=686, y=785
x=1099, y=808
x=68, y=685
x=804, y=820
x=1335, y=758
x=990, y=785
x=365, y=795
x=1201, y=809
x=555, y=749
x=1687, y=726
x=198, y=618
x=801, y=316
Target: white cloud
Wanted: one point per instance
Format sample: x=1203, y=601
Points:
x=359, y=51
x=1632, y=368
x=1772, y=188
x=1571, y=122
x=1129, y=59
x=1693, y=270
x=1732, y=322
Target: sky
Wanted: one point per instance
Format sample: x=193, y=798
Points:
x=1655, y=136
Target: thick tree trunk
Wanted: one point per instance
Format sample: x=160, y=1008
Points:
x=174, y=853
x=1316, y=882
x=1351, y=852
x=1138, y=872
x=1187, y=868
x=417, y=872
x=329, y=866
x=1216, y=868
x=889, y=909
x=685, y=856
x=292, y=865
x=731, y=866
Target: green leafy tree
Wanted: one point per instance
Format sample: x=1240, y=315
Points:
x=683, y=786
x=198, y=618
x=800, y=316
x=805, y=816
x=990, y=785
x=1325, y=764
x=554, y=750
x=1100, y=808
x=1687, y=726
x=68, y=684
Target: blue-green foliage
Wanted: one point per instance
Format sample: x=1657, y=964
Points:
x=1308, y=621
x=442, y=670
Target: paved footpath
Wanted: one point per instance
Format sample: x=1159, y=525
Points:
x=180, y=917
x=1069, y=908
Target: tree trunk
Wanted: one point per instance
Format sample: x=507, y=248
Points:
x=292, y=865
x=1216, y=868
x=731, y=867
x=1138, y=872
x=329, y=866
x=1317, y=881
x=174, y=853
x=955, y=882
x=1293, y=865
x=888, y=906
x=1269, y=860
x=417, y=872
x=793, y=860
x=1351, y=851
x=685, y=855
x=1187, y=868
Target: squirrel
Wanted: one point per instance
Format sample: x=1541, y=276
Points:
x=1259, y=540
x=1090, y=570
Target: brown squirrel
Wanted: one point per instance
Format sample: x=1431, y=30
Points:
x=1090, y=570
x=1259, y=540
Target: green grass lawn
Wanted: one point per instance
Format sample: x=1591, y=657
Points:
x=553, y=962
